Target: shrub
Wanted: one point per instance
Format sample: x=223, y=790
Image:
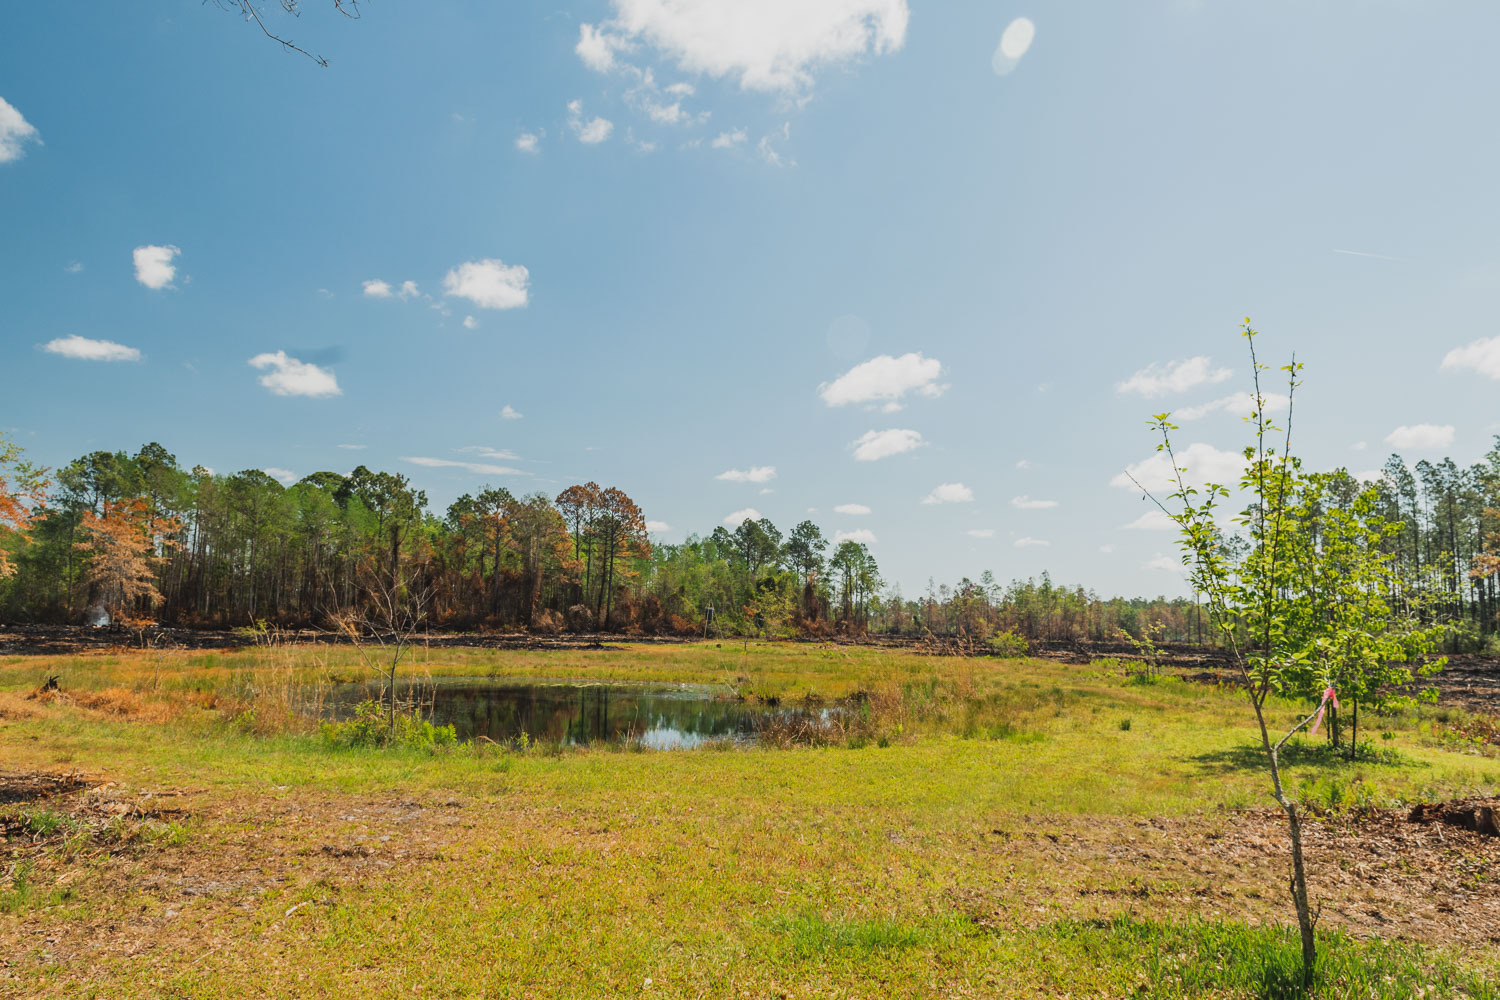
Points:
x=369, y=728
x=1010, y=644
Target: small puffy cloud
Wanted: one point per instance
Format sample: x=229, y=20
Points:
x=478, y=468
x=1024, y=502
x=1482, y=356
x=1107, y=548
x=591, y=132
x=771, y=45
x=1359, y=446
x=1240, y=404
x=884, y=378
x=873, y=445
x=1014, y=43
x=950, y=493
x=741, y=516
x=283, y=476
x=729, y=139
x=1174, y=376
x=286, y=376
x=657, y=527
x=1024, y=463
x=408, y=290
x=84, y=349
x=1201, y=463
x=528, y=142
x=15, y=133
x=153, y=265
x=754, y=474
x=1152, y=520
x=597, y=48
x=852, y=509
x=1165, y=564
x=1421, y=437
x=509, y=412
x=981, y=532
x=377, y=289
x=766, y=491
x=1031, y=543
x=470, y=323
x=489, y=284
x=74, y=267
x=862, y=535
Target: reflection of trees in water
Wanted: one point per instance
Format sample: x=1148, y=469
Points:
x=581, y=714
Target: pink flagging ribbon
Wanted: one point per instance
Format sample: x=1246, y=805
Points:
x=1328, y=695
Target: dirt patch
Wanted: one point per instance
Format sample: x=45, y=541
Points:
x=1480, y=817
x=22, y=787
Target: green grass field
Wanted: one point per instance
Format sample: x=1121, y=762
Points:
x=996, y=828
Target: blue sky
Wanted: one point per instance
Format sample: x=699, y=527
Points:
x=796, y=236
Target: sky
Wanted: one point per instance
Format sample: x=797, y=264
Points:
x=917, y=271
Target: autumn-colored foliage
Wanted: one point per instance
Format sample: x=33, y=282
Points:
x=125, y=547
x=23, y=488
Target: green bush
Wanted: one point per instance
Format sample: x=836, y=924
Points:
x=1009, y=644
x=370, y=728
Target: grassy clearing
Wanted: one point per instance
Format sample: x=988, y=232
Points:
x=1014, y=836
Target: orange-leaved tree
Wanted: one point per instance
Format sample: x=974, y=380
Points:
x=23, y=489
x=126, y=546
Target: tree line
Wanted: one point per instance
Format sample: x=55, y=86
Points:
x=139, y=536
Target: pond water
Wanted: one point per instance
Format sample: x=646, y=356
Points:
x=660, y=716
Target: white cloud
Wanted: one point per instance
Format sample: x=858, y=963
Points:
x=354, y=447
x=766, y=491
x=852, y=509
x=479, y=468
x=509, y=412
x=1166, y=564
x=950, y=493
x=768, y=152
x=1107, y=548
x=597, y=48
x=874, y=445
x=1014, y=42
x=1026, y=503
x=1368, y=475
x=1174, y=376
x=1482, y=356
x=485, y=451
x=591, y=132
x=528, y=142
x=377, y=289
x=1359, y=446
x=1152, y=520
x=153, y=265
x=84, y=349
x=657, y=527
x=981, y=532
x=1201, y=463
x=1240, y=404
x=862, y=535
x=1422, y=437
x=408, y=290
x=755, y=474
x=681, y=89
x=770, y=45
x=74, y=267
x=15, y=132
x=1024, y=463
x=740, y=516
x=285, y=477
x=489, y=284
x=884, y=378
x=725, y=140
x=1028, y=543
x=290, y=377
x=470, y=323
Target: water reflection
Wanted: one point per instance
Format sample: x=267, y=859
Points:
x=660, y=717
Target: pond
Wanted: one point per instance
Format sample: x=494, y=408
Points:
x=659, y=716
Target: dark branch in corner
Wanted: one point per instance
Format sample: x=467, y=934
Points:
x=349, y=8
